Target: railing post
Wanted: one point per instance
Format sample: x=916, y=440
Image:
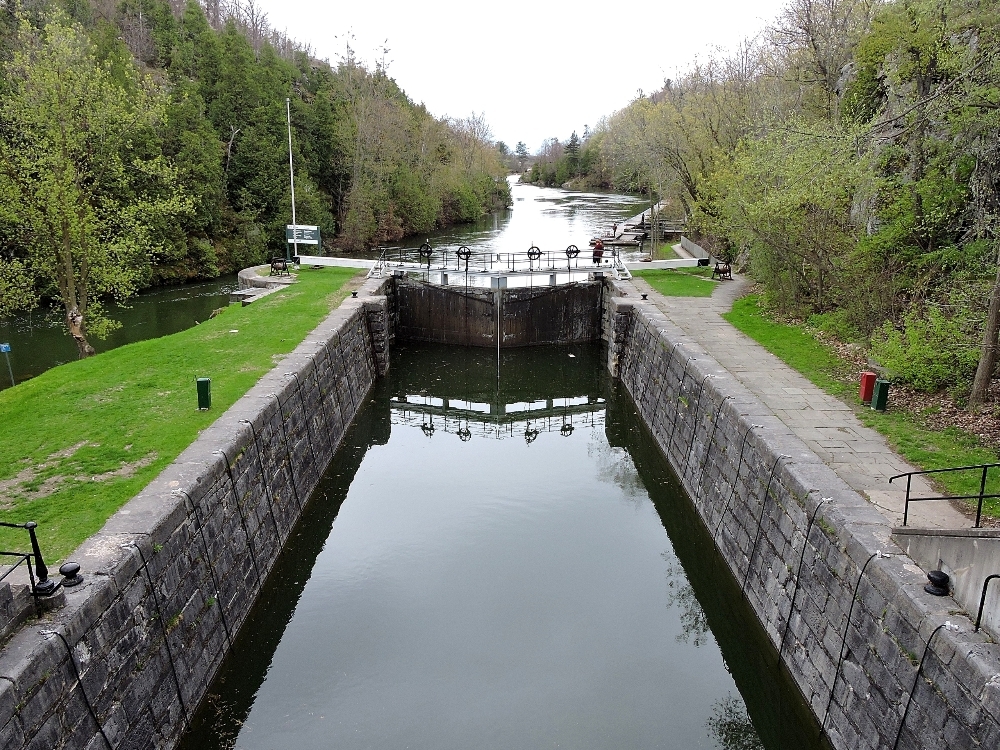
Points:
x=982, y=491
x=44, y=586
x=906, y=504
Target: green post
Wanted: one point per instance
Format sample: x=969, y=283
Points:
x=204, y=394
x=880, y=395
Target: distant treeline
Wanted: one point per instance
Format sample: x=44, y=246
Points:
x=849, y=159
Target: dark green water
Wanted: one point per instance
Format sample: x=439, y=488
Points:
x=500, y=563
x=39, y=340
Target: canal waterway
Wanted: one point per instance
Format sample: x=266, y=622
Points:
x=499, y=557
x=549, y=218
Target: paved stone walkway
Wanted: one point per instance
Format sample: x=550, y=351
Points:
x=859, y=455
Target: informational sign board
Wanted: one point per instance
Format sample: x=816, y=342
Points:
x=302, y=234
x=4, y=348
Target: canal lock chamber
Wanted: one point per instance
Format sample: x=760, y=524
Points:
x=499, y=555
x=813, y=573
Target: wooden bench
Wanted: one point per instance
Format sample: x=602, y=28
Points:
x=723, y=270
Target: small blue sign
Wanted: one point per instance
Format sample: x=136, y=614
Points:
x=4, y=348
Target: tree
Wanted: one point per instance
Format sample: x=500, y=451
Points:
x=82, y=176
x=522, y=153
x=573, y=147
x=788, y=198
x=819, y=37
x=573, y=155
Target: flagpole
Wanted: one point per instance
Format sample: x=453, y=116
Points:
x=291, y=177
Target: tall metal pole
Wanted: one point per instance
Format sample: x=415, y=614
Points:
x=291, y=177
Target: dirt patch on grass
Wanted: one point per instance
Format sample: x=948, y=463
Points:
x=334, y=299
x=29, y=484
x=126, y=470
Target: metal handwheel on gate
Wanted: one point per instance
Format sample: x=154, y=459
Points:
x=534, y=253
x=464, y=252
x=572, y=251
x=426, y=250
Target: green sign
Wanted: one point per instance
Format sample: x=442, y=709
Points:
x=302, y=234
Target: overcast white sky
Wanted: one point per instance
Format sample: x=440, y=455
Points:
x=536, y=69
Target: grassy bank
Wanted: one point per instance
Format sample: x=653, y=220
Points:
x=665, y=251
x=81, y=439
x=925, y=448
x=679, y=282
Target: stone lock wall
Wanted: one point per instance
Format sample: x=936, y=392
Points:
x=841, y=604
x=171, y=577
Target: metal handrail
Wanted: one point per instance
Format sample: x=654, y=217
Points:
x=485, y=261
x=21, y=557
x=43, y=586
x=980, y=497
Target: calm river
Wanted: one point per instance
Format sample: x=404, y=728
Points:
x=500, y=562
x=550, y=218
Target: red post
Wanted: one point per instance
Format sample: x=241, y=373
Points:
x=867, y=386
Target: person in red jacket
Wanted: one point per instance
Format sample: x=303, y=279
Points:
x=598, y=252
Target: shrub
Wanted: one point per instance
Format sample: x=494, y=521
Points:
x=838, y=324
x=929, y=352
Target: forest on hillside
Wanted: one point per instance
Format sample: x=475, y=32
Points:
x=145, y=142
x=848, y=158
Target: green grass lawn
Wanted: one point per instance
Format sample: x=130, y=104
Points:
x=679, y=282
x=665, y=252
x=927, y=449
x=793, y=345
x=81, y=439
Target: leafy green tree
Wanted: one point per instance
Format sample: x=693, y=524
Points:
x=788, y=199
x=82, y=178
x=522, y=153
x=573, y=146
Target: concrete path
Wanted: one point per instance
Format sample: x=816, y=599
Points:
x=859, y=455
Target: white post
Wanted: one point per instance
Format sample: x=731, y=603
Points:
x=291, y=175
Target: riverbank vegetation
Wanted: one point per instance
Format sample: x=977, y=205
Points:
x=144, y=142
x=81, y=439
x=848, y=159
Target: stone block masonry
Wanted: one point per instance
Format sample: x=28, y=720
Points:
x=843, y=607
x=172, y=575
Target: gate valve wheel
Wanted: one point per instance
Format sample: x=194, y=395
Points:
x=464, y=252
x=572, y=251
x=534, y=253
x=426, y=250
